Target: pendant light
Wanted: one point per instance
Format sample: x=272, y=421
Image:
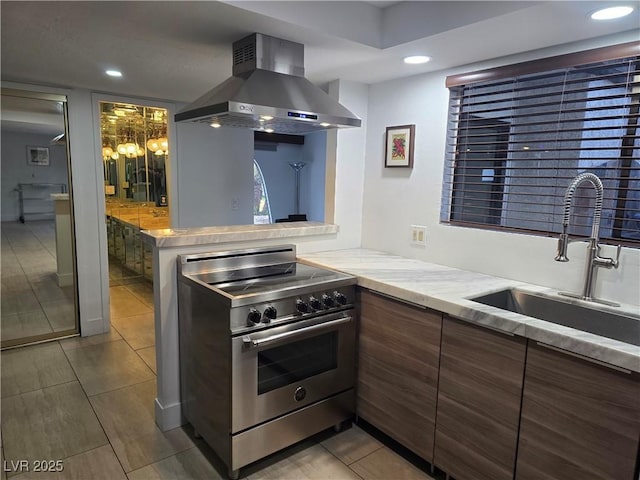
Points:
x=121, y=148
x=152, y=143
x=107, y=151
x=163, y=141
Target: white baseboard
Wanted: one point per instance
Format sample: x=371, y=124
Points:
x=65, y=279
x=93, y=326
x=168, y=417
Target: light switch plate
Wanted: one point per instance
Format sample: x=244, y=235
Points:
x=418, y=235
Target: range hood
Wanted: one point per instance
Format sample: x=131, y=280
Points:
x=268, y=92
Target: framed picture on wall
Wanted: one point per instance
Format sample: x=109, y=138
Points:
x=399, y=146
x=38, y=156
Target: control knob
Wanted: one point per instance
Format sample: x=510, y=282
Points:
x=253, y=317
x=315, y=303
x=301, y=306
x=340, y=298
x=270, y=313
x=328, y=301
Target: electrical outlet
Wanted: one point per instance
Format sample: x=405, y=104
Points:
x=418, y=235
x=235, y=203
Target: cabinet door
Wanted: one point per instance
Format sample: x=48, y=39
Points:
x=579, y=419
x=480, y=390
x=398, y=370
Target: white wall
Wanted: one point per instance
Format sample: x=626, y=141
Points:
x=15, y=169
x=314, y=152
x=394, y=199
x=345, y=164
x=214, y=176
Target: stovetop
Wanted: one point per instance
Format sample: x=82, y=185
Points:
x=271, y=278
x=267, y=279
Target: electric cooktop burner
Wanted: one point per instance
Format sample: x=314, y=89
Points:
x=274, y=277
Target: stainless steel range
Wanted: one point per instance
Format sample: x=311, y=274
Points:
x=267, y=350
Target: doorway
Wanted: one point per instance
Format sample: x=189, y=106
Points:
x=39, y=294
x=134, y=152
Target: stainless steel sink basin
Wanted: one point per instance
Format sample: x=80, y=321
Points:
x=606, y=324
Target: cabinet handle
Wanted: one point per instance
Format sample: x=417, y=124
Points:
x=582, y=357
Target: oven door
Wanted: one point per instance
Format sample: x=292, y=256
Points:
x=284, y=368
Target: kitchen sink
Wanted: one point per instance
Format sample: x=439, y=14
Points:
x=624, y=328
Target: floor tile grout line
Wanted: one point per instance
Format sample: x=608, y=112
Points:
x=162, y=459
x=92, y=409
x=348, y=465
x=136, y=350
x=121, y=388
x=88, y=397
x=97, y=416
x=143, y=300
x=342, y=461
x=36, y=389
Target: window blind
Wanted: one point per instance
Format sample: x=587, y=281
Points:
x=514, y=143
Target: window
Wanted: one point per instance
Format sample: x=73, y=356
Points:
x=261, y=208
x=518, y=137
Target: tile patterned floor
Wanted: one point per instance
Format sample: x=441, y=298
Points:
x=90, y=403
x=32, y=302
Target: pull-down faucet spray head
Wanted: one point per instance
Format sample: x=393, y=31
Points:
x=563, y=239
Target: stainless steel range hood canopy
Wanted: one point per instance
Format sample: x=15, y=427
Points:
x=268, y=92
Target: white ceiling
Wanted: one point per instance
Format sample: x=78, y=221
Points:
x=179, y=50
x=31, y=115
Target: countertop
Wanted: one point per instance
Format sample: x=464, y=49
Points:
x=170, y=237
x=448, y=289
x=144, y=218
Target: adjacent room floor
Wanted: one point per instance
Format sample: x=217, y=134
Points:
x=32, y=302
x=90, y=403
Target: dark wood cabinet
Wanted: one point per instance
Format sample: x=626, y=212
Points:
x=579, y=419
x=399, y=348
x=480, y=391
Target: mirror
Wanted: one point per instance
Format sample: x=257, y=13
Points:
x=134, y=150
x=134, y=153
x=39, y=295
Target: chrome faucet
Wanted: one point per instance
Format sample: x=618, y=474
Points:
x=593, y=249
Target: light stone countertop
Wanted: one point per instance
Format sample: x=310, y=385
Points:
x=170, y=237
x=447, y=289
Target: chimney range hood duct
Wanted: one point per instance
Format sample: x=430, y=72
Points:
x=268, y=92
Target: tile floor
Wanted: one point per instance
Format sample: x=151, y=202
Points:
x=32, y=302
x=90, y=403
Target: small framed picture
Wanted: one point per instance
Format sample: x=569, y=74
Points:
x=38, y=156
x=399, y=146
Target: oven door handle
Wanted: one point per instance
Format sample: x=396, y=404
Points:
x=301, y=332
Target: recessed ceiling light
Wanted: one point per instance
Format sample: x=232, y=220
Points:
x=215, y=124
x=113, y=73
x=416, y=59
x=611, y=12
x=269, y=130
x=325, y=124
x=266, y=117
